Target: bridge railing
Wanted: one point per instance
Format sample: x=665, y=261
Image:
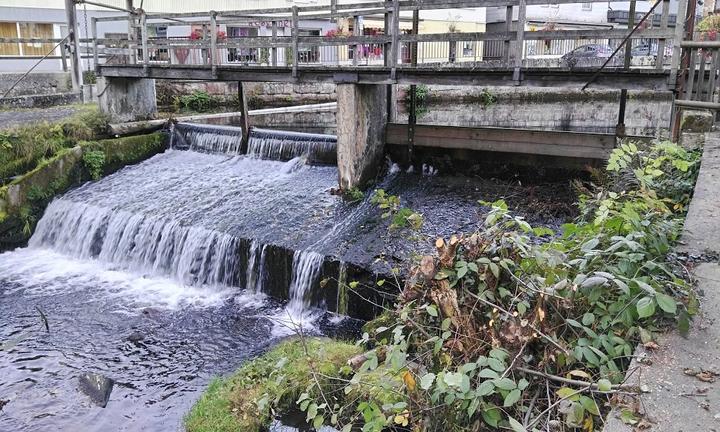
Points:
x=288, y=38
x=700, y=75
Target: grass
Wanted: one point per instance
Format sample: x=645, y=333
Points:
x=23, y=148
x=243, y=401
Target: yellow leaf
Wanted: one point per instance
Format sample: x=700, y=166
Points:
x=409, y=380
x=402, y=419
x=588, y=425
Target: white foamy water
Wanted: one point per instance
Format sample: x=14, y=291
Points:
x=207, y=138
x=299, y=314
x=282, y=145
x=42, y=272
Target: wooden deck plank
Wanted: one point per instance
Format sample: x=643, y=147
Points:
x=549, y=143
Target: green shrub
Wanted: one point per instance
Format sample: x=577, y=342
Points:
x=198, y=100
x=401, y=217
x=94, y=162
x=503, y=330
x=23, y=148
x=269, y=384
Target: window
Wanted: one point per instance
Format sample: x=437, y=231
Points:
x=468, y=49
x=39, y=31
x=9, y=30
x=26, y=30
x=587, y=6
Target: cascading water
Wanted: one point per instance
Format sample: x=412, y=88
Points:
x=138, y=242
x=207, y=138
x=282, y=145
x=299, y=313
x=255, y=267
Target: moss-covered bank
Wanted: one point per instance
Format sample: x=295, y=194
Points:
x=23, y=200
x=277, y=379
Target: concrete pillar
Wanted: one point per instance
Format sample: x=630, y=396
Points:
x=361, y=120
x=127, y=99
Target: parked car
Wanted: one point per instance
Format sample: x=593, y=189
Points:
x=587, y=52
x=647, y=49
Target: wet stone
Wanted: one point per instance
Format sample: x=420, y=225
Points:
x=135, y=337
x=97, y=387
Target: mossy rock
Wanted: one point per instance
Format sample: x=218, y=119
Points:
x=697, y=121
x=386, y=320
x=270, y=383
x=120, y=152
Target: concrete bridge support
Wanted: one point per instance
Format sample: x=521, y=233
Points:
x=361, y=121
x=127, y=99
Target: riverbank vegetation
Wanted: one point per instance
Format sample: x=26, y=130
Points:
x=23, y=148
x=272, y=383
x=510, y=327
x=24, y=198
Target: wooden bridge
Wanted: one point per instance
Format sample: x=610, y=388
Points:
x=392, y=57
x=365, y=67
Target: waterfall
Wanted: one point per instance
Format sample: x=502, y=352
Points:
x=207, y=138
x=299, y=312
x=142, y=243
x=255, y=267
x=282, y=145
x=342, y=295
x=307, y=266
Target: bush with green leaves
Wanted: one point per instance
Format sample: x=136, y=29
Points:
x=401, y=217
x=501, y=330
x=198, y=100
x=94, y=161
x=22, y=148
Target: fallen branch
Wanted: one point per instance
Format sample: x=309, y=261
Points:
x=590, y=386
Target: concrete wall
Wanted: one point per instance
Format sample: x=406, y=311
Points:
x=36, y=83
x=259, y=95
x=592, y=111
x=361, y=119
x=127, y=99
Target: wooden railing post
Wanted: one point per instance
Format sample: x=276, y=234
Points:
x=96, y=57
x=394, y=48
x=132, y=34
x=628, y=44
x=412, y=110
x=203, y=49
x=213, y=42
x=508, y=29
x=681, y=59
x=71, y=14
x=660, y=59
x=144, y=38
x=295, y=44
x=356, y=32
x=273, y=50
x=63, y=57
x=520, y=41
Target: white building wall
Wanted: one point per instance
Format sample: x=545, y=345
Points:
x=58, y=19
x=590, y=13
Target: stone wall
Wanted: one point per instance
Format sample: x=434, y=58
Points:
x=537, y=108
x=39, y=83
x=259, y=95
x=40, y=100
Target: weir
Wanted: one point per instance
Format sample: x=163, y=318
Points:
x=282, y=145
